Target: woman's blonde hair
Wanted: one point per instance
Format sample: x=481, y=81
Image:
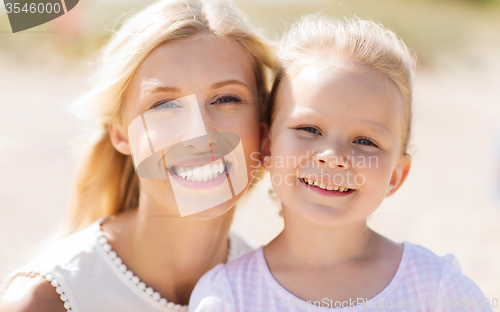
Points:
x=106, y=182
x=318, y=39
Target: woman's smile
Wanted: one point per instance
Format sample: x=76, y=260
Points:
x=202, y=177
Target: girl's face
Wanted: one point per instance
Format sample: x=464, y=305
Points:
x=334, y=145
x=220, y=76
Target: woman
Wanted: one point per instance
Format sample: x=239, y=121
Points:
x=138, y=254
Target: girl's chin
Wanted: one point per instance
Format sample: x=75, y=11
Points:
x=316, y=214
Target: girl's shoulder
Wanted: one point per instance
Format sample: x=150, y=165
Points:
x=431, y=265
x=239, y=246
x=439, y=275
x=222, y=288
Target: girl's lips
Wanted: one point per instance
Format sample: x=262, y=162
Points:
x=326, y=192
x=203, y=184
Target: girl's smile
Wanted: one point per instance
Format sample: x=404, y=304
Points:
x=326, y=189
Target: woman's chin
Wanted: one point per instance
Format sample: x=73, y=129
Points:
x=214, y=212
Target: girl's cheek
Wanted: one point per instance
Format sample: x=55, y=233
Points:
x=378, y=169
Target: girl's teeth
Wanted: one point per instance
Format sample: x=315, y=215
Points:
x=326, y=187
x=221, y=168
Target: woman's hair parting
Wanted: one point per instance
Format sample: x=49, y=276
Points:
x=320, y=39
x=106, y=182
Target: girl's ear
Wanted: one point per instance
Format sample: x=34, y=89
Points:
x=119, y=139
x=399, y=174
x=265, y=146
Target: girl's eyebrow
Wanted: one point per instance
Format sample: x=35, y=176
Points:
x=310, y=113
x=376, y=127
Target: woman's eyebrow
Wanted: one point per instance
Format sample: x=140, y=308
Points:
x=154, y=86
x=229, y=82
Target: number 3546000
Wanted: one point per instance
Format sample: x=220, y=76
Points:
x=33, y=8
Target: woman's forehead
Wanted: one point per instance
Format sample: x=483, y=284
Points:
x=201, y=61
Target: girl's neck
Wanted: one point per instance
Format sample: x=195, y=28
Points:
x=169, y=254
x=306, y=244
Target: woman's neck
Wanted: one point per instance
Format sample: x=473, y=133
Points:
x=169, y=253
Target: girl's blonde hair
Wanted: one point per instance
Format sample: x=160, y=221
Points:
x=318, y=39
x=106, y=182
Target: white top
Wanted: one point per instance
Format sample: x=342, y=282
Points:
x=424, y=282
x=90, y=276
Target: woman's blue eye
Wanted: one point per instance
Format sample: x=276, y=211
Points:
x=364, y=141
x=167, y=105
x=310, y=129
x=226, y=100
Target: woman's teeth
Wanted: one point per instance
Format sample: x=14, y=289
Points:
x=326, y=187
x=199, y=174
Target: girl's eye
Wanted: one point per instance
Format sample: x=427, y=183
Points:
x=365, y=141
x=167, y=105
x=310, y=129
x=227, y=100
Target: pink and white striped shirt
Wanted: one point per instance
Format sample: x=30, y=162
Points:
x=423, y=282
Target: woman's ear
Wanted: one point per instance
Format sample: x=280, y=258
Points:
x=399, y=174
x=119, y=139
x=265, y=146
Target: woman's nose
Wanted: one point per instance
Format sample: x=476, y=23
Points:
x=195, y=133
x=332, y=157
x=200, y=132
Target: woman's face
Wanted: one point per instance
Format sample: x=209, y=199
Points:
x=218, y=80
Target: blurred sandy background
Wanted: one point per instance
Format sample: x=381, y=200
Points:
x=450, y=202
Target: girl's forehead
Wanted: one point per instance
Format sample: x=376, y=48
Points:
x=342, y=95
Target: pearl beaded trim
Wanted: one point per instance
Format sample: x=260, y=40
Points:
x=103, y=241
x=51, y=279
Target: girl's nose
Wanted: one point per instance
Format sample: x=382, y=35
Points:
x=332, y=158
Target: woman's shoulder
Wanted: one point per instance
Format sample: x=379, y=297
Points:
x=30, y=293
x=37, y=283
x=63, y=251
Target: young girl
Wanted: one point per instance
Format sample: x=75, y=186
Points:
x=336, y=146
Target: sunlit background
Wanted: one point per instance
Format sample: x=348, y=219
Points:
x=449, y=204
